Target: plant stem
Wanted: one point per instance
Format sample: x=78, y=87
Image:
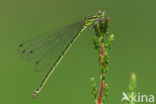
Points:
x=102, y=44
x=102, y=81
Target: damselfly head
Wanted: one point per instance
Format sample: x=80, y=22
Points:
x=93, y=20
x=101, y=13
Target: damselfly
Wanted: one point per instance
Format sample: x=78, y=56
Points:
x=49, y=48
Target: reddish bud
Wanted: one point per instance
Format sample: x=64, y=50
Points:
x=107, y=19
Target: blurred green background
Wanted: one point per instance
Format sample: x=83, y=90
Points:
x=132, y=21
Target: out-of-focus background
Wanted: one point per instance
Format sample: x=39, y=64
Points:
x=132, y=21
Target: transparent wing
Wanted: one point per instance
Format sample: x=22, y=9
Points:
x=46, y=49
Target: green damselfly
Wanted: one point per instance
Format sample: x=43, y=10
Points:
x=49, y=48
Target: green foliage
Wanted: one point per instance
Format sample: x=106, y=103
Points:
x=94, y=88
x=105, y=92
x=96, y=44
x=102, y=44
x=109, y=42
x=132, y=87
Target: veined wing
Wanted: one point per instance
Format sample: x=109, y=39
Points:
x=46, y=49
